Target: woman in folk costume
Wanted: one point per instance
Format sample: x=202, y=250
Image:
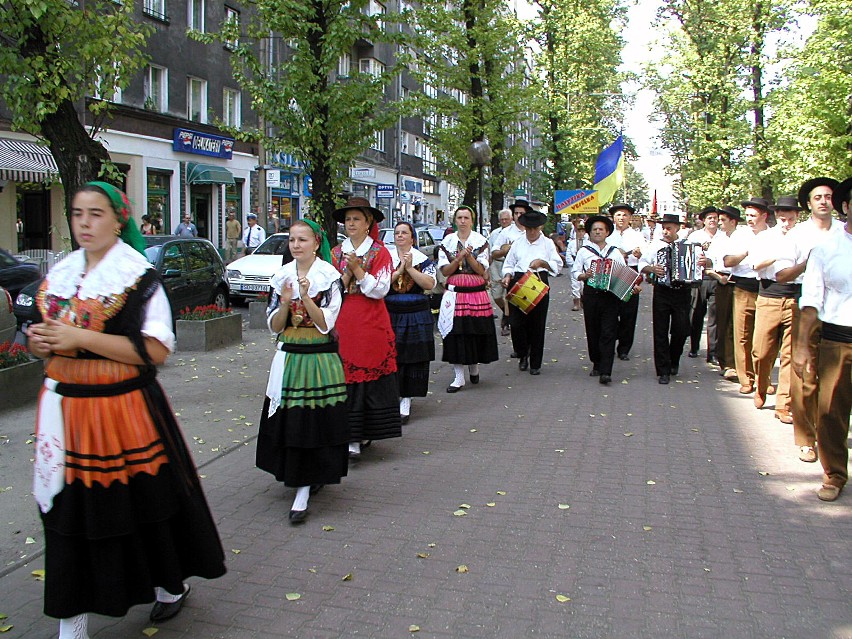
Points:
x=411, y=316
x=466, y=320
x=304, y=432
x=367, y=343
x=124, y=516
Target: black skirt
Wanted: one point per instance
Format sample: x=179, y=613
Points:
x=374, y=409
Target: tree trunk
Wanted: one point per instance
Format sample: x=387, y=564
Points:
x=760, y=147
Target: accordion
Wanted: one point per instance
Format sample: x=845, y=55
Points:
x=615, y=277
x=680, y=261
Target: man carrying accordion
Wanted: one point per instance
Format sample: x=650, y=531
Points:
x=675, y=265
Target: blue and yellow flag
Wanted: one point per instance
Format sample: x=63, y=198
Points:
x=609, y=171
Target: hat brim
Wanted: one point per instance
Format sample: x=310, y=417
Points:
x=622, y=207
x=610, y=225
x=810, y=185
x=755, y=205
x=532, y=219
x=339, y=215
x=841, y=195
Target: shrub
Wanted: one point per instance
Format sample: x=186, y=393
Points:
x=211, y=311
x=12, y=355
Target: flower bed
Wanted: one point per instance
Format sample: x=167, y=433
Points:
x=20, y=377
x=206, y=328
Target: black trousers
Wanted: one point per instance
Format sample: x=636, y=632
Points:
x=600, y=314
x=670, y=311
x=700, y=305
x=528, y=328
x=627, y=313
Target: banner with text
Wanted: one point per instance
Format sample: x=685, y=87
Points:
x=575, y=202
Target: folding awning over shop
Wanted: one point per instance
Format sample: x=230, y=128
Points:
x=25, y=162
x=207, y=174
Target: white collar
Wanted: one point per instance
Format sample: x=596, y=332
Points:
x=321, y=276
x=417, y=256
x=361, y=251
x=474, y=240
x=117, y=271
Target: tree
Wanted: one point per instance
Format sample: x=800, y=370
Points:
x=324, y=117
x=55, y=55
x=635, y=190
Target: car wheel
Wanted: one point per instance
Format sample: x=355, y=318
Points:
x=220, y=298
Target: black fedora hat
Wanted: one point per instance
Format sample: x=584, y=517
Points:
x=841, y=195
x=732, y=212
x=610, y=225
x=757, y=203
x=621, y=207
x=522, y=203
x=707, y=210
x=810, y=185
x=671, y=218
x=786, y=203
x=532, y=219
x=358, y=203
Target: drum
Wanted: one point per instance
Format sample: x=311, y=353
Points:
x=527, y=292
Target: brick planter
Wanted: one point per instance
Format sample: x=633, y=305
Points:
x=257, y=315
x=20, y=384
x=208, y=335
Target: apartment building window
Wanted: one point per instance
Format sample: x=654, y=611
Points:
x=376, y=10
x=344, y=66
x=232, y=16
x=196, y=100
x=231, y=107
x=430, y=187
x=371, y=66
x=105, y=85
x=155, y=9
x=195, y=15
x=430, y=123
x=429, y=164
x=418, y=147
x=378, y=142
x=158, y=199
x=157, y=89
x=405, y=145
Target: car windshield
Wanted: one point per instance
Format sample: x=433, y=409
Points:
x=275, y=245
x=7, y=260
x=153, y=252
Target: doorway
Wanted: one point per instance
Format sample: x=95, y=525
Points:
x=34, y=210
x=200, y=208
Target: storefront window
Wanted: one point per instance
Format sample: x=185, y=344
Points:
x=234, y=199
x=159, y=183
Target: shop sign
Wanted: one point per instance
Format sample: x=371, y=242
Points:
x=308, y=189
x=287, y=161
x=385, y=191
x=273, y=179
x=362, y=173
x=188, y=141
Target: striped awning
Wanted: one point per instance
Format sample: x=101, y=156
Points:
x=208, y=174
x=25, y=161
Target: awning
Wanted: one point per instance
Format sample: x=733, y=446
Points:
x=25, y=161
x=207, y=174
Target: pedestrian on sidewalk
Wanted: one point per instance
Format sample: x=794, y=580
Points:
x=411, y=316
x=304, y=431
x=466, y=320
x=125, y=519
x=367, y=342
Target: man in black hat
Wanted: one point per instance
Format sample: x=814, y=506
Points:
x=827, y=299
x=815, y=195
x=671, y=301
x=776, y=311
x=746, y=286
x=704, y=296
x=631, y=244
x=537, y=253
x=729, y=217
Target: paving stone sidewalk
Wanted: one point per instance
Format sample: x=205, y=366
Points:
x=634, y=510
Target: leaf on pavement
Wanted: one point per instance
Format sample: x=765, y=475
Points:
x=293, y=596
x=464, y=505
x=564, y=506
x=562, y=598
x=236, y=551
x=150, y=632
x=737, y=490
x=38, y=574
x=462, y=568
x=346, y=577
x=29, y=540
x=501, y=492
x=628, y=434
x=327, y=528
x=651, y=482
x=413, y=628
x=646, y=528
x=762, y=473
x=423, y=555
x=460, y=513
x=491, y=504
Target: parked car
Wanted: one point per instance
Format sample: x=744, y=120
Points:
x=425, y=242
x=249, y=276
x=15, y=274
x=437, y=232
x=8, y=324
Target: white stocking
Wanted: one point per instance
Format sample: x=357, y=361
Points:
x=301, y=501
x=458, y=369
x=74, y=627
x=355, y=448
x=405, y=406
x=164, y=596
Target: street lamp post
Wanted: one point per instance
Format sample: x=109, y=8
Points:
x=479, y=154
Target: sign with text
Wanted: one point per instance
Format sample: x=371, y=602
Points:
x=575, y=202
x=188, y=141
x=385, y=191
x=273, y=179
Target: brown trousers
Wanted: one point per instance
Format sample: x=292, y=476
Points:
x=725, y=325
x=773, y=332
x=834, y=406
x=804, y=392
x=744, y=311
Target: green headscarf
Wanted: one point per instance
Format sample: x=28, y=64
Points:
x=130, y=233
x=324, y=248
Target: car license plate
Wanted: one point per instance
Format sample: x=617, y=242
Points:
x=260, y=288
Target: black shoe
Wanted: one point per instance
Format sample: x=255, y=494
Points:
x=453, y=389
x=692, y=354
x=163, y=611
x=514, y=355
x=354, y=456
x=595, y=372
x=524, y=364
x=366, y=443
x=404, y=419
x=624, y=357
x=298, y=516
x=712, y=361
x=316, y=488
x=673, y=371
x=605, y=379
x=664, y=379
x=474, y=379
x=535, y=371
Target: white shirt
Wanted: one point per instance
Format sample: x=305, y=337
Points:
x=500, y=237
x=701, y=237
x=718, y=249
x=322, y=277
x=828, y=280
x=376, y=285
x=474, y=241
x=254, y=236
x=800, y=241
x=651, y=257
x=628, y=240
x=765, y=247
x=417, y=258
x=741, y=241
x=587, y=254
x=524, y=252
